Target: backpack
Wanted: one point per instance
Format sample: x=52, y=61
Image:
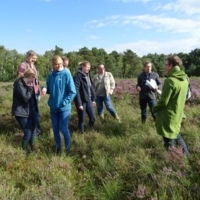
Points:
x=189, y=91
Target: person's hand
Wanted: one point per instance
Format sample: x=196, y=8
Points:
x=44, y=91
x=156, y=89
x=29, y=83
x=94, y=103
x=138, y=88
x=80, y=107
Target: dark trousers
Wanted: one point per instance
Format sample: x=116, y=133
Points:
x=89, y=109
x=28, y=125
x=172, y=142
x=143, y=107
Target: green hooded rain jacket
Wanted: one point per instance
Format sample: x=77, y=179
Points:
x=170, y=106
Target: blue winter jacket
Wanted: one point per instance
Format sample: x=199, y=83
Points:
x=61, y=90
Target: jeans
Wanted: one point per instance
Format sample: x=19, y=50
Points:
x=108, y=103
x=60, y=121
x=171, y=142
x=143, y=107
x=181, y=142
x=87, y=108
x=28, y=125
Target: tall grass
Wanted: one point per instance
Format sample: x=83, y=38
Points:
x=112, y=162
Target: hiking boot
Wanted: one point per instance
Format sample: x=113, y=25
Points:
x=144, y=121
x=58, y=151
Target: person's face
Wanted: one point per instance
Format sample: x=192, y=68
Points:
x=86, y=68
x=30, y=80
x=148, y=68
x=101, y=69
x=65, y=63
x=168, y=67
x=58, y=64
x=32, y=59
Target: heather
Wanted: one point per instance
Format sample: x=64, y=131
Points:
x=113, y=161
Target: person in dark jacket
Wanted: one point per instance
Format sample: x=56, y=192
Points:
x=85, y=97
x=31, y=58
x=25, y=107
x=147, y=94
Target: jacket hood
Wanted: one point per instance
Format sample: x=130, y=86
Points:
x=177, y=73
x=82, y=74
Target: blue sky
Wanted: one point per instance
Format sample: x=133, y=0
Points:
x=144, y=26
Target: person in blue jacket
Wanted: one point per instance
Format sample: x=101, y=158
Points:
x=61, y=90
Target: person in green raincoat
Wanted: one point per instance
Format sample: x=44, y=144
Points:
x=171, y=104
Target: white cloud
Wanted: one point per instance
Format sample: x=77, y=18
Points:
x=158, y=23
x=143, y=47
x=93, y=37
x=110, y=20
x=190, y=7
x=161, y=23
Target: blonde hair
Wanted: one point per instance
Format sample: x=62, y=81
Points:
x=55, y=59
x=84, y=63
x=29, y=73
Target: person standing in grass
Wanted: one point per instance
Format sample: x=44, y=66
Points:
x=104, y=84
x=147, y=94
x=25, y=107
x=85, y=97
x=31, y=58
x=171, y=104
x=61, y=90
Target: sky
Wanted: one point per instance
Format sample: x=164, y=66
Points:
x=143, y=26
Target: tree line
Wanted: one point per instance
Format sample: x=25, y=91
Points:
x=123, y=65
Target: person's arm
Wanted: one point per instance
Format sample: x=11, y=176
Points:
x=70, y=90
x=165, y=96
x=77, y=98
x=21, y=69
x=112, y=83
x=138, y=85
x=94, y=82
x=93, y=94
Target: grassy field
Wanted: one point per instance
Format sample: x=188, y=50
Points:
x=112, y=162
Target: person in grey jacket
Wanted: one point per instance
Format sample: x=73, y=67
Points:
x=147, y=94
x=25, y=107
x=104, y=84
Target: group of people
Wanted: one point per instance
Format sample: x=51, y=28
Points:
x=63, y=89
x=89, y=92
x=168, y=111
